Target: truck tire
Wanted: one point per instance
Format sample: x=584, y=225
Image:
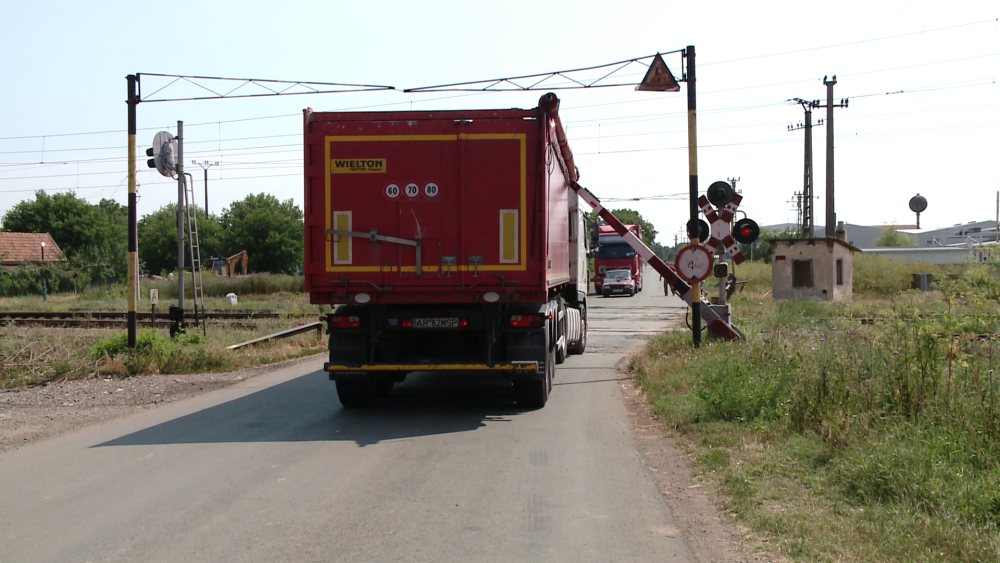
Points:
x=356, y=394
x=580, y=346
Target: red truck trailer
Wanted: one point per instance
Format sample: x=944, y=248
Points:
x=446, y=240
x=614, y=253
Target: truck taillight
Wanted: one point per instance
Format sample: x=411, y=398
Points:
x=463, y=323
x=342, y=321
x=407, y=323
x=525, y=321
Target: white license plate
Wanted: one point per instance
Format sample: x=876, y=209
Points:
x=451, y=322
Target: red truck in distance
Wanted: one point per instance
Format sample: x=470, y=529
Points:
x=614, y=253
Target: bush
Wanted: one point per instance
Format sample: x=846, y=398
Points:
x=732, y=389
x=26, y=279
x=147, y=343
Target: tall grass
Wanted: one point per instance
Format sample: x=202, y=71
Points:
x=886, y=410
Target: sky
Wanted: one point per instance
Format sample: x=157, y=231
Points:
x=919, y=77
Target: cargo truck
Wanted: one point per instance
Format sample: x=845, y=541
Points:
x=615, y=253
x=445, y=240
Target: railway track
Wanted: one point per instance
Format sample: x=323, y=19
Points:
x=118, y=319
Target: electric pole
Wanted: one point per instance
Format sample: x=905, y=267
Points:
x=831, y=215
x=205, y=166
x=807, y=222
x=796, y=202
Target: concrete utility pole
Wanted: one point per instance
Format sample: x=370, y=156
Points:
x=831, y=215
x=205, y=166
x=180, y=215
x=807, y=221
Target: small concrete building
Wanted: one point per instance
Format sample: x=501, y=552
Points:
x=816, y=269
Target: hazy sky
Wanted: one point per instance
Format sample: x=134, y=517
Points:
x=920, y=76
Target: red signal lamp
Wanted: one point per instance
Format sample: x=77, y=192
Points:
x=746, y=231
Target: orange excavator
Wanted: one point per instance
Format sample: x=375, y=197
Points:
x=227, y=266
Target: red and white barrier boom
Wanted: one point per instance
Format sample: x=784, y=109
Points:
x=717, y=326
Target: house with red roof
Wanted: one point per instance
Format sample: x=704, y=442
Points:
x=16, y=248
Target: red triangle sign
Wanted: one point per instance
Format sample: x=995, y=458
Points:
x=658, y=78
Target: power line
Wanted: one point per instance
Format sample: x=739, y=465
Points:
x=849, y=43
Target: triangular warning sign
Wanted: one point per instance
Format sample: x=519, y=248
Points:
x=658, y=78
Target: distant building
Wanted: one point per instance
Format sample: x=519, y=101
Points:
x=16, y=248
x=957, y=244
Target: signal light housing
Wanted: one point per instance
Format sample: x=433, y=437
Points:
x=704, y=231
x=746, y=231
x=720, y=193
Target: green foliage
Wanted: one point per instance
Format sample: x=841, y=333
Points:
x=879, y=419
x=149, y=343
x=27, y=279
x=878, y=275
x=157, y=233
x=892, y=237
x=732, y=389
x=219, y=286
x=93, y=238
x=760, y=249
x=271, y=232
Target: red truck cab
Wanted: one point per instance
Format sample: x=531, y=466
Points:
x=614, y=253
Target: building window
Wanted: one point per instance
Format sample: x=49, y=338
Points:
x=840, y=271
x=802, y=273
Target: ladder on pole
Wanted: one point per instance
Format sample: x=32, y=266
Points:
x=196, y=281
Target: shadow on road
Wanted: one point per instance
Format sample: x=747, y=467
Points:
x=306, y=409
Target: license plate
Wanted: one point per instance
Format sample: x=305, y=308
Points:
x=618, y=290
x=451, y=322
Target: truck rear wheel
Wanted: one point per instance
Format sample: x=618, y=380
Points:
x=356, y=394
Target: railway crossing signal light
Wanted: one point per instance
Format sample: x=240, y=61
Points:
x=720, y=194
x=704, y=231
x=746, y=231
x=164, y=153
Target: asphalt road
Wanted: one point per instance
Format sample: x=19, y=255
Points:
x=273, y=469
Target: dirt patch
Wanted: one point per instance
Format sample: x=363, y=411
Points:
x=35, y=413
x=711, y=536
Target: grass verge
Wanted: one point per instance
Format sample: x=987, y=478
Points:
x=867, y=431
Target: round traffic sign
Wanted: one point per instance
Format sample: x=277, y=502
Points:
x=693, y=263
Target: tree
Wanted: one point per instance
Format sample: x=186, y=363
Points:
x=271, y=232
x=760, y=249
x=93, y=238
x=892, y=237
x=158, y=239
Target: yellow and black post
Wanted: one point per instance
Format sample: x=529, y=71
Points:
x=693, y=186
x=133, y=242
